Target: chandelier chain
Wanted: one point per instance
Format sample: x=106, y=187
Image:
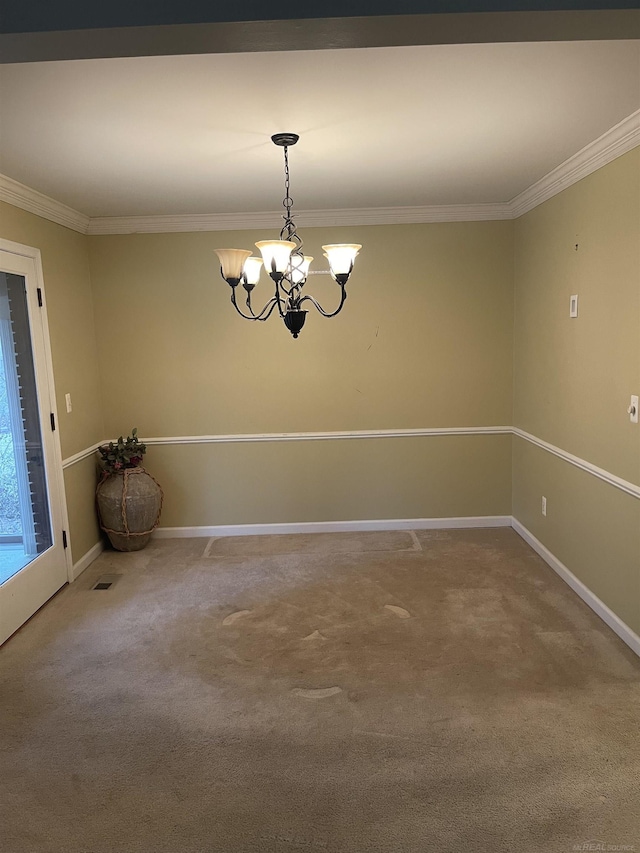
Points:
x=289, y=231
x=288, y=201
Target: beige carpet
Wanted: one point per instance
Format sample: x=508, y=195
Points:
x=392, y=692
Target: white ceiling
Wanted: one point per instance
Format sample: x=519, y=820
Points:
x=379, y=127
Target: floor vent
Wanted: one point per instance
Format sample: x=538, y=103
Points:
x=105, y=582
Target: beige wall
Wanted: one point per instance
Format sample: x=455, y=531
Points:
x=591, y=527
x=80, y=487
x=574, y=377
x=337, y=480
x=424, y=346
x=417, y=347
x=65, y=265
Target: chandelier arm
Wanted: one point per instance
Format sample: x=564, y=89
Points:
x=247, y=302
x=259, y=316
x=343, y=296
x=263, y=315
x=279, y=300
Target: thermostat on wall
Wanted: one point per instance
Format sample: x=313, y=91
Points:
x=573, y=306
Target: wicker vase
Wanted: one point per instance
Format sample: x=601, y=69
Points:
x=129, y=505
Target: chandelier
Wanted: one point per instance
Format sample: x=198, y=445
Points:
x=286, y=264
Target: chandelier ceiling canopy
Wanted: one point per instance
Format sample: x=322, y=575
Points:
x=286, y=264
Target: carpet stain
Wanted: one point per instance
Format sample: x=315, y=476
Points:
x=233, y=617
x=320, y=693
x=400, y=612
x=315, y=636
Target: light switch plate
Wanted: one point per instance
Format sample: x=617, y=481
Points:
x=633, y=409
x=573, y=305
x=67, y=400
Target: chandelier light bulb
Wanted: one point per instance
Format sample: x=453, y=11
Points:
x=252, y=270
x=276, y=254
x=341, y=257
x=232, y=262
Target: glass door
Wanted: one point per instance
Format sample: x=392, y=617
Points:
x=32, y=561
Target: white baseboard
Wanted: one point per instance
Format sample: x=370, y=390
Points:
x=333, y=526
x=607, y=615
x=84, y=562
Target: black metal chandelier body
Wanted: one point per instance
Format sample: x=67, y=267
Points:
x=286, y=265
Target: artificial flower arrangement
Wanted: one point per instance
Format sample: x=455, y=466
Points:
x=123, y=453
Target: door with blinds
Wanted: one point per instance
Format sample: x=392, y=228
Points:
x=32, y=556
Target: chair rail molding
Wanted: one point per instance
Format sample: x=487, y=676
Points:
x=626, y=486
x=239, y=438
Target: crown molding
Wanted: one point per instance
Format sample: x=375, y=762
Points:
x=614, y=143
x=183, y=222
x=617, y=141
x=305, y=218
x=36, y=202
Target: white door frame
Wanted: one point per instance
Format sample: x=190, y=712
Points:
x=43, y=365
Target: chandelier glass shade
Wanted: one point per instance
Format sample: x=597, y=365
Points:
x=286, y=265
